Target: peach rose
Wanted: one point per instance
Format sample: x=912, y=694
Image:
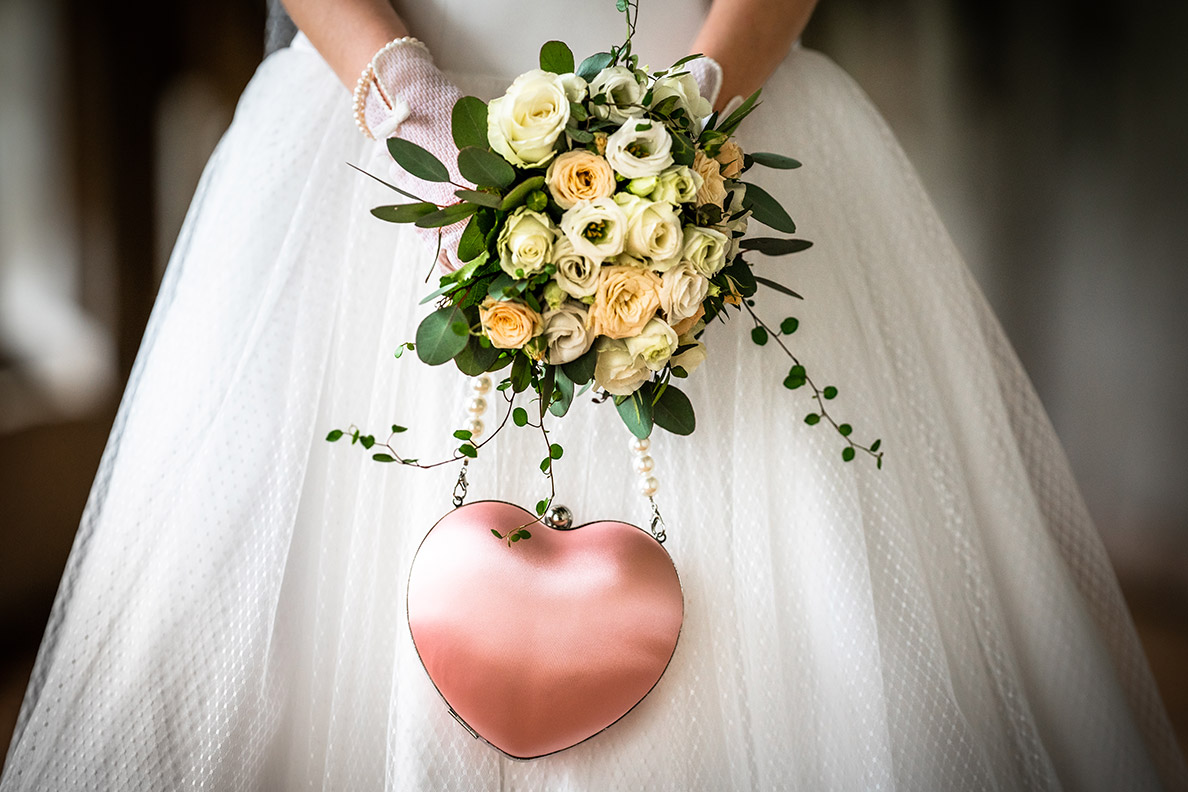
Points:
x=730, y=159
x=509, y=324
x=579, y=176
x=713, y=190
x=626, y=299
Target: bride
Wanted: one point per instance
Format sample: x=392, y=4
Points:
x=232, y=615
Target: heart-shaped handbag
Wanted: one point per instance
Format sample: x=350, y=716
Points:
x=538, y=645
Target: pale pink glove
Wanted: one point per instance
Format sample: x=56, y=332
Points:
x=410, y=98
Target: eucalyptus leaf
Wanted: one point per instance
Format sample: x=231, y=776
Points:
x=674, y=412
x=468, y=122
x=519, y=193
x=521, y=373
x=590, y=67
x=682, y=149
x=556, y=57
x=404, y=213
x=471, y=245
x=766, y=209
x=781, y=288
x=773, y=246
x=731, y=122
x=636, y=412
x=475, y=358
x=774, y=160
x=417, y=161
x=581, y=371
x=545, y=390
x=487, y=199
x=447, y=216
x=485, y=168
x=437, y=338
x=564, y=391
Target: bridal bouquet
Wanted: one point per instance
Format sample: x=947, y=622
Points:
x=606, y=218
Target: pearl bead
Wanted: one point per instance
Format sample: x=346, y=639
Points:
x=476, y=428
x=640, y=445
x=648, y=486
x=482, y=384
x=643, y=464
x=476, y=406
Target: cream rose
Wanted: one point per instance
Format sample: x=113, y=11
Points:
x=510, y=324
x=653, y=231
x=705, y=249
x=524, y=123
x=684, y=88
x=525, y=243
x=676, y=185
x=579, y=176
x=730, y=159
x=682, y=291
x=713, y=190
x=621, y=89
x=576, y=275
x=616, y=370
x=596, y=229
x=566, y=335
x=626, y=299
x=654, y=345
x=636, y=153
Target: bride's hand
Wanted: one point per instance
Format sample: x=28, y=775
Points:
x=404, y=95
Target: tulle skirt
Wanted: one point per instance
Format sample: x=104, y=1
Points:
x=232, y=615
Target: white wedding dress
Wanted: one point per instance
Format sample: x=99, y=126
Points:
x=232, y=616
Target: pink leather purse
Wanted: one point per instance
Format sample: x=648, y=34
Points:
x=540, y=644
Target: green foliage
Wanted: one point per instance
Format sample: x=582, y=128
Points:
x=383, y=457
x=417, y=161
x=581, y=370
x=489, y=200
x=475, y=359
x=472, y=243
x=556, y=57
x=773, y=246
x=766, y=209
x=334, y=435
x=404, y=213
x=446, y=216
x=520, y=416
x=438, y=336
x=562, y=394
x=773, y=160
x=812, y=419
x=673, y=411
x=590, y=67
x=731, y=122
x=848, y=454
x=759, y=335
x=521, y=373
x=485, y=168
x=468, y=122
x=781, y=288
x=636, y=412
x=518, y=194
x=468, y=450
x=830, y=392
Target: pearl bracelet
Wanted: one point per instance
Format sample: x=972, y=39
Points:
x=367, y=81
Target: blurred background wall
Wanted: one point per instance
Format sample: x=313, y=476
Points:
x=1052, y=135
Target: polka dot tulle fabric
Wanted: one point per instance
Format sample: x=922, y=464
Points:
x=232, y=616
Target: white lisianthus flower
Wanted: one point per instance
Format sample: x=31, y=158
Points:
x=621, y=89
x=575, y=87
x=654, y=345
x=636, y=153
x=628, y=260
x=616, y=370
x=525, y=243
x=576, y=275
x=642, y=187
x=691, y=358
x=566, y=334
x=678, y=184
x=705, y=249
x=524, y=123
x=653, y=231
x=597, y=229
x=682, y=291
